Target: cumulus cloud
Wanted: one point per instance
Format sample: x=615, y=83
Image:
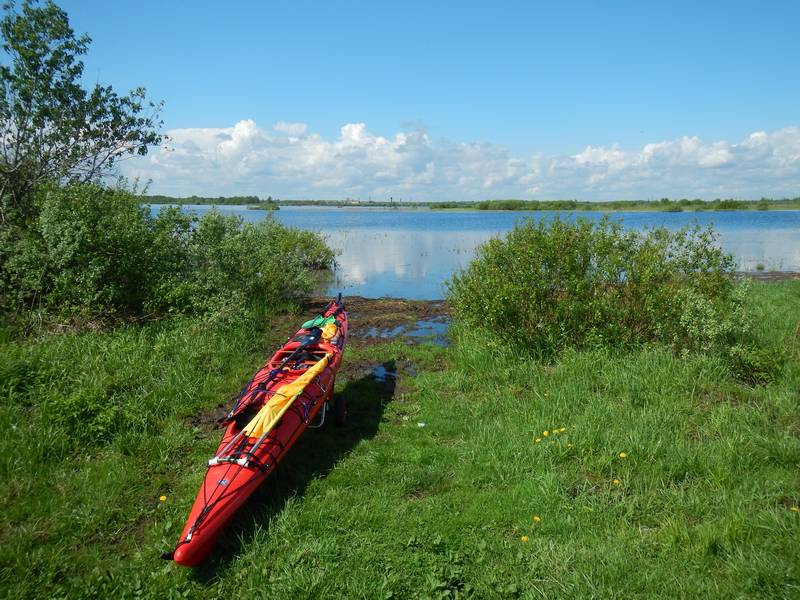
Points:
x=290, y=161
x=290, y=128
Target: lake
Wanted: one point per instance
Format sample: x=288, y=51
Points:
x=410, y=253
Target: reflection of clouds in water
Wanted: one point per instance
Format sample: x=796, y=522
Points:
x=415, y=263
x=419, y=261
x=775, y=249
x=411, y=253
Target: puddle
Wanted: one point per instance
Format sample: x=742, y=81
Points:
x=433, y=331
x=436, y=327
x=381, y=373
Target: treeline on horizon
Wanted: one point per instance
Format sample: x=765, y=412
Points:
x=351, y=202
x=665, y=204
x=268, y=202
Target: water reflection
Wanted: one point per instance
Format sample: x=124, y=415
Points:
x=411, y=254
x=401, y=263
x=775, y=249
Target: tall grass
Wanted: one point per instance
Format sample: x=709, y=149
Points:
x=432, y=488
x=96, y=425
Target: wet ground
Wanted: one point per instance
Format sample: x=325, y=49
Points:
x=771, y=275
x=379, y=321
x=372, y=321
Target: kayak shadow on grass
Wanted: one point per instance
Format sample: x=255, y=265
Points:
x=313, y=456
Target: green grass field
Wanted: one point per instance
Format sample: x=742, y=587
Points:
x=669, y=478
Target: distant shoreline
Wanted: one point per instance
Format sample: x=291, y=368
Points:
x=410, y=208
x=663, y=205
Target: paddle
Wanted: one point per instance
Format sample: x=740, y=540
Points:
x=312, y=337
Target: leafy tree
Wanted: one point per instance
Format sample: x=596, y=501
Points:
x=51, y=128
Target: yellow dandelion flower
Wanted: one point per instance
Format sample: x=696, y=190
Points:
x=545, y=433
x=615, y=482
x=162, y=498
x=623, y=455
x=794, y=509
x=524, y=539
x=537, y=519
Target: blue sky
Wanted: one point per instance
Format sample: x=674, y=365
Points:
x=496, y=98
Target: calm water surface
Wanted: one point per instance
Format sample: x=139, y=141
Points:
x=410, y=253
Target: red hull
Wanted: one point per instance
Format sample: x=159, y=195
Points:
x=227, y=485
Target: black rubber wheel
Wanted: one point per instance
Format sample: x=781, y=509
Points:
x=339, y=410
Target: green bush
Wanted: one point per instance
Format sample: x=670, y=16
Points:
x=93, y=240
x=21, y=268
x=80, y=253
x=550, y=285
x=95, y=251
x=241, y=262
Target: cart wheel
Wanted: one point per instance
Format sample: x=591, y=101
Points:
x=339, y=410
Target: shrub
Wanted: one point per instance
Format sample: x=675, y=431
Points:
x=81, y=253
x=94, y=240
x=96, y=251
x=21, y=268
x=262, y=261
x=554, y=284
x=314, y=252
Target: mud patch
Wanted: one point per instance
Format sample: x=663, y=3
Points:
x=401, y=367
x=433, y=331
x=770, y=275
x=393, y=369
x=211, y=418
x=381, y=373
x=416, y=494
x=375, y=321
x=416, y=321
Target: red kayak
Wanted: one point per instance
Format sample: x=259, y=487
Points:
x=284, y=397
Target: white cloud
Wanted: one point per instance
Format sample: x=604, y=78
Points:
x=290, y=128
x=296, y=163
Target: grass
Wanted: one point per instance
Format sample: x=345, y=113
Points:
x=432, y=489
